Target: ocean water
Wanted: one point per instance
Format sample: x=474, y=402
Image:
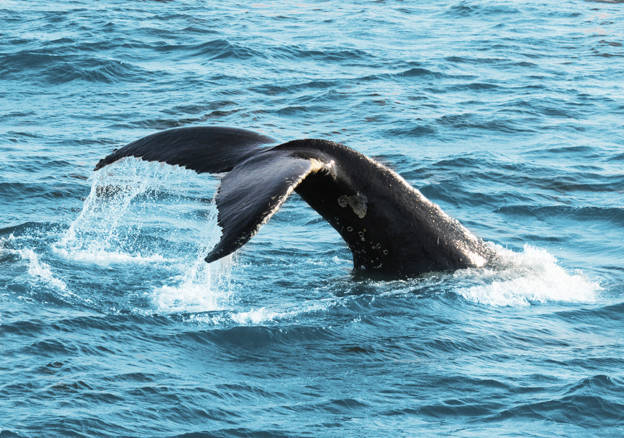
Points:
x=507, y=114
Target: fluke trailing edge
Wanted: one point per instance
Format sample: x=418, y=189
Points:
x=390, y=227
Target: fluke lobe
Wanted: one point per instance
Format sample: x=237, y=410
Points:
x=390, y=227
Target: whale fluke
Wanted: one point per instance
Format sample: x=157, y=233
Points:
x=202, y=149
x=390, y=227
x=252, y=192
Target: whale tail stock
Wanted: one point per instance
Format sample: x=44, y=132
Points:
x=390, y=227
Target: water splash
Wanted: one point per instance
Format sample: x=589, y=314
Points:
x=37, y=269
x=41, y=270
x=264, y=315
x=105, y=230
x=521, y=279
x=202, y=287
x=154, y=214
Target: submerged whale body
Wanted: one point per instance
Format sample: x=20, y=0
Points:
x=391, y=229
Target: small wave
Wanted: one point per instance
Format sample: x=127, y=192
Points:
x=210, y=50
x=531, y=276
x=594, y=411
x=475, y=121
x=253, y=317
x=419, y=72
x=476, y=86
x=411, y=130
x=37, y=269
x=414, y=72
x=608, y=313
x=599, y=383
x=614, y=215
x=27, y=59
x=221, y=49
x=260, y=316
x=258, y=337
x=467, y=9
x=326, y=54
x=61, y=68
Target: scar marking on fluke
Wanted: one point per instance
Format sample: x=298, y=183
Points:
x=357, y=202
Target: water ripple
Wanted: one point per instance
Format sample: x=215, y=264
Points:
x=508, y=115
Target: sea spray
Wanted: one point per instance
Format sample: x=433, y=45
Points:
x=523, y=278
x=103, y=228
x=37, y=269
x=201, y=287
x=149, y=213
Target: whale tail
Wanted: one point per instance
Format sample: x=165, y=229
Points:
x=258, y=183
x=390, y=227
x=202, y=149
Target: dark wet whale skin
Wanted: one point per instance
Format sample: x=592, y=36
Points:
x=391, y=228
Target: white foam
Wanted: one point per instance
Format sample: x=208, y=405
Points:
x=40, y=270
x=255, y=316
x=531, y=276
x=201, y=288
x=188, y=298
x=263, y=315
x=37, y=268
x=104, y=258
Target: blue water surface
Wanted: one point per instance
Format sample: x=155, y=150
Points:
x=507, y=114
